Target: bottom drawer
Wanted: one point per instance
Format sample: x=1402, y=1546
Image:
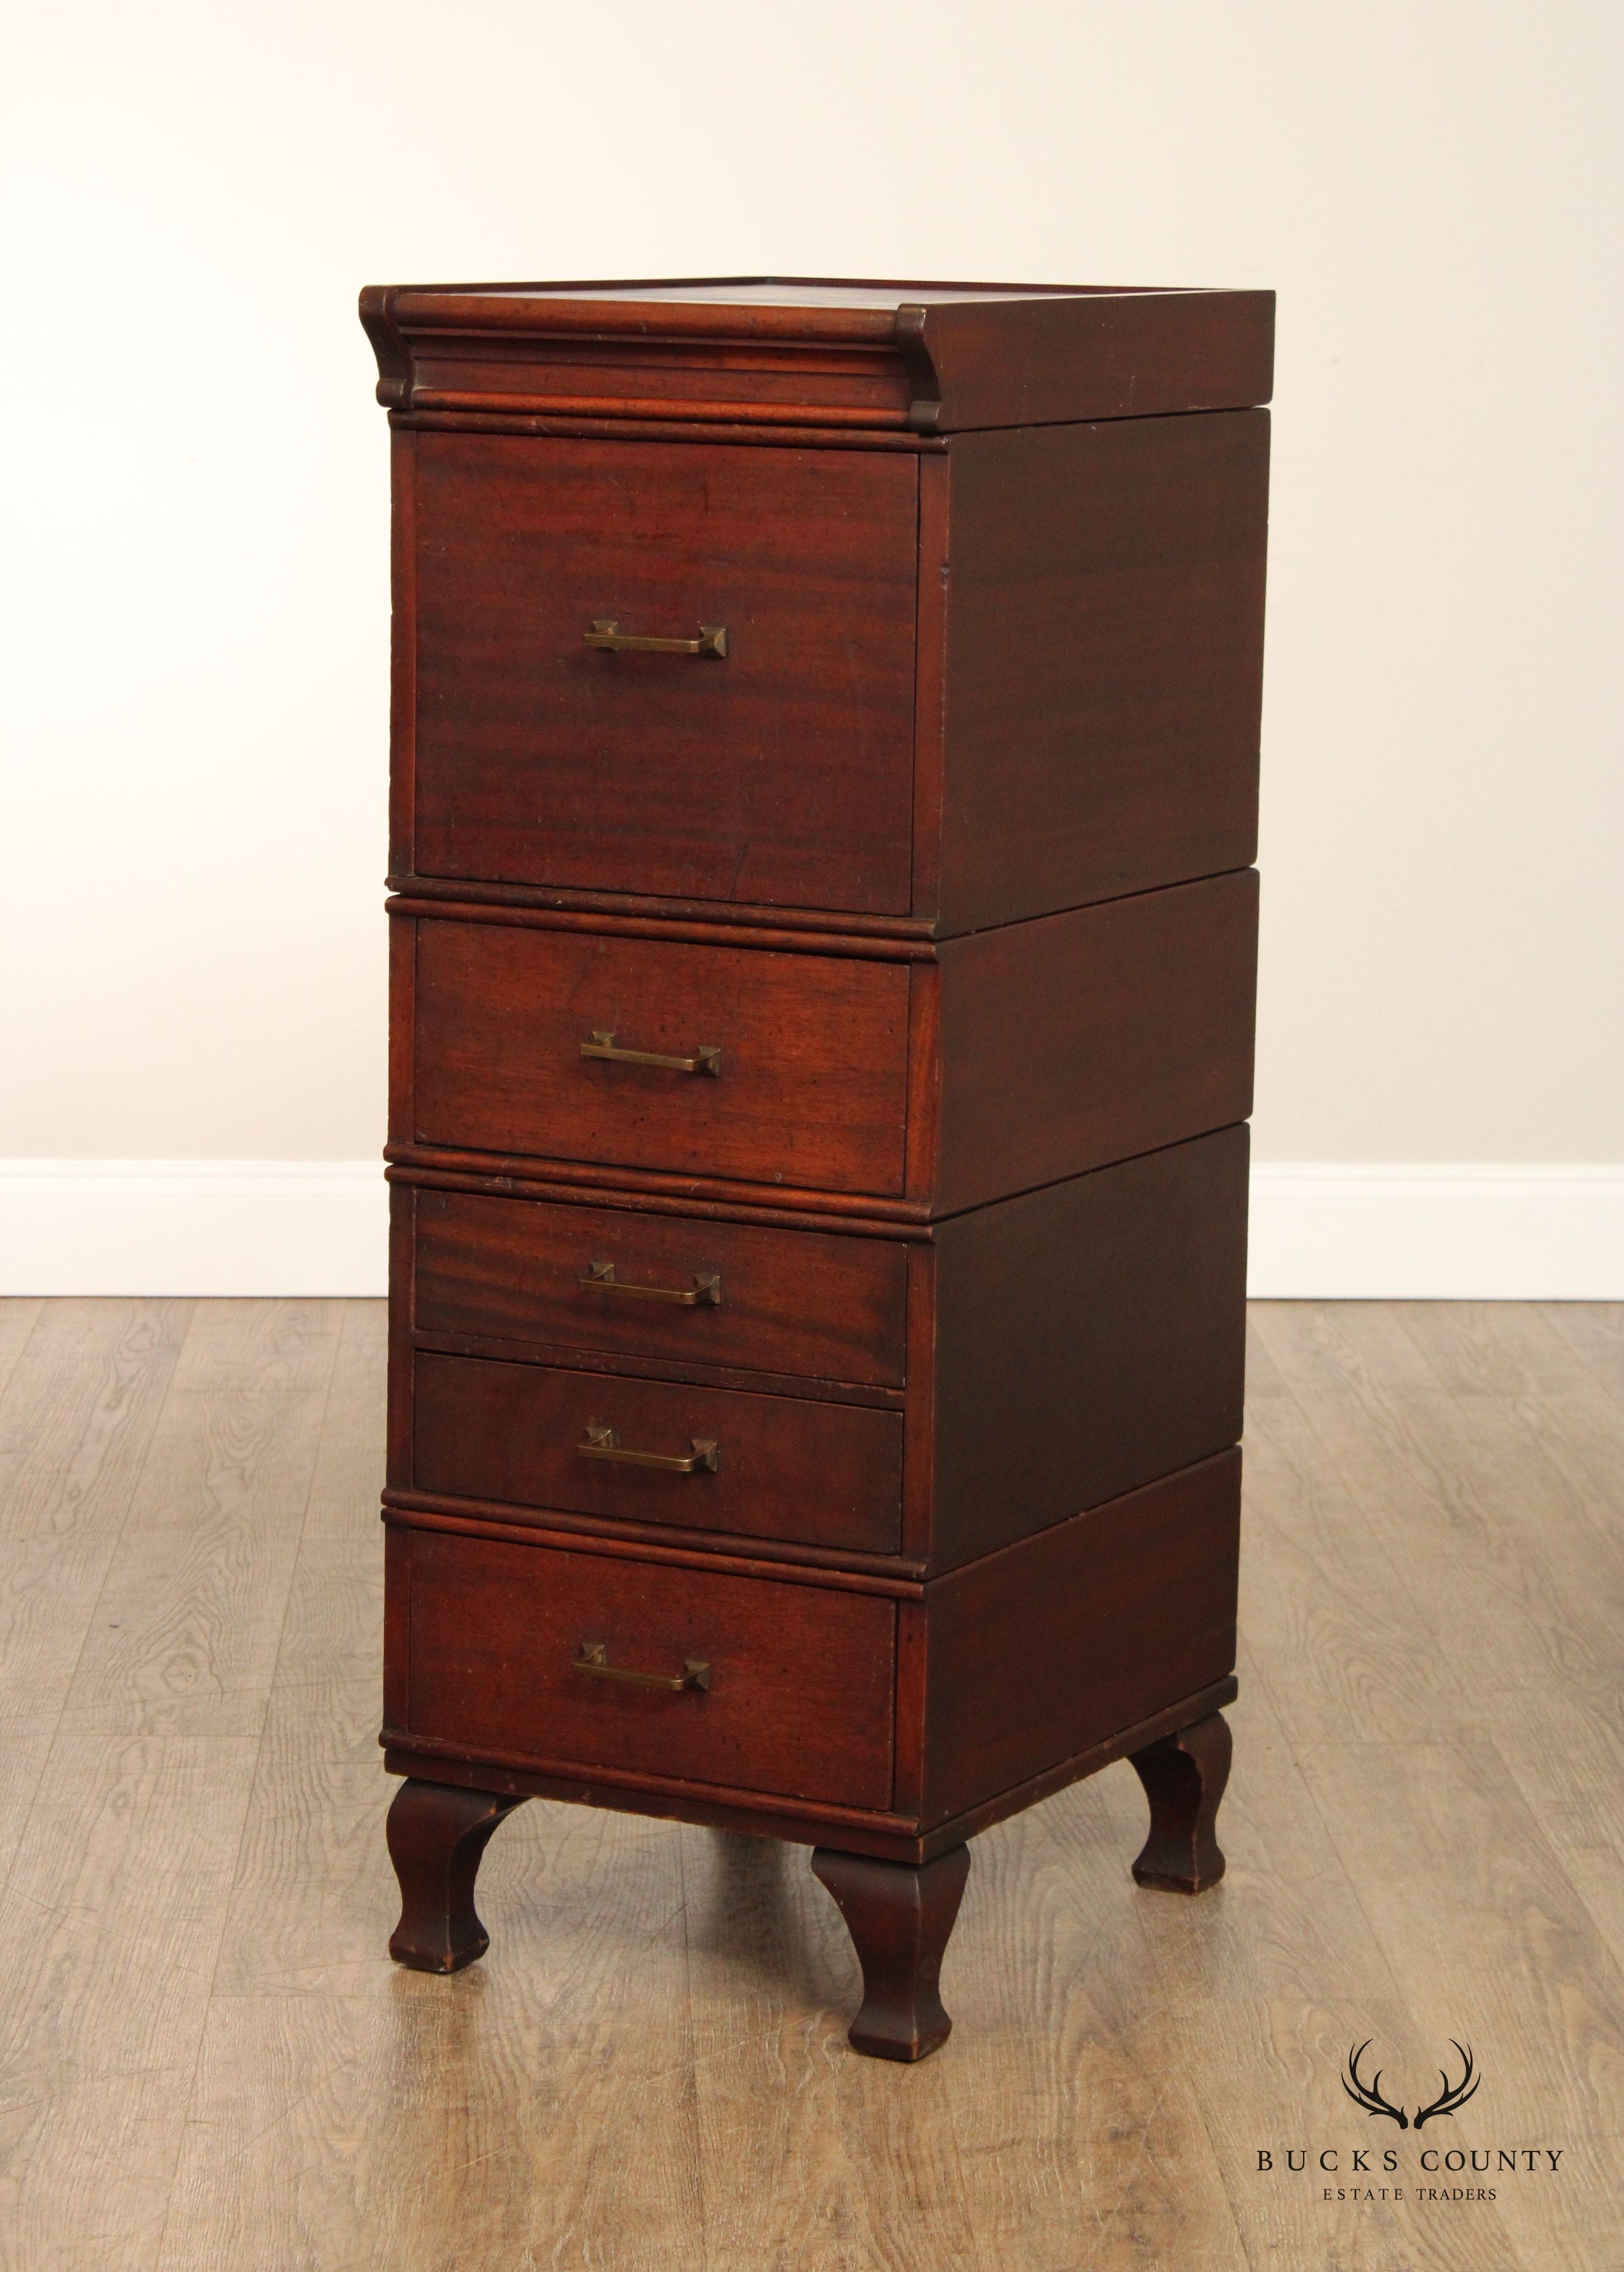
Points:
x=797, y=1700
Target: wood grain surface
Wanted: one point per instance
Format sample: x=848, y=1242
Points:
x=786, y=1466
x=207, y=2059
x=821, y=352
x=1079, y=1039
x=796, y=1702
x=1104, y=661
x=812, y=1084
x=715, y=778
x=798, y=1302
x=1050, y=1645
x=1089, y=1337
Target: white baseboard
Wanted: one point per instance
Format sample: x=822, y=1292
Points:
x=1437, y=1233
x=293, y=1227
x=193, y=1227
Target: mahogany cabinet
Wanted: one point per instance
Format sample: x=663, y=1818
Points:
x=825, y=766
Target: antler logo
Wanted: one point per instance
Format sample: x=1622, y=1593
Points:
x=1368, y=2095
x=1452, y=2095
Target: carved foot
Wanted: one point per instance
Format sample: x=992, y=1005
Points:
x=437, y=1832
x=899, y=1918
x=1184, y=1777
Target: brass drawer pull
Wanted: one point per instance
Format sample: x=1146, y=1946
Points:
x=706, y=1287
x=600, y=1443
x=706, y=1058
x=594, y=1658
x=606, y=634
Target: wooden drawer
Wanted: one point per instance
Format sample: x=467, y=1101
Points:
x=811, y=1090
x=786, y=1466
x=799, y=1302
x=801, y=1677
x=779, y=773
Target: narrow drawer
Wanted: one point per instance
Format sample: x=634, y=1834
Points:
x=798, y=1700
x=808, y=1303
x=810, y=1078
x=779, y=772
x=784, y=1467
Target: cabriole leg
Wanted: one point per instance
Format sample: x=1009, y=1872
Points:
x=898, y=1917
x=437, y=1832
x=1184, y=1777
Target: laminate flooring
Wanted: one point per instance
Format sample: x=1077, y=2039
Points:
x=207, y=2059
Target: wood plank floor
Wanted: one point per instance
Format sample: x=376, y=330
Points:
x=207, y=2059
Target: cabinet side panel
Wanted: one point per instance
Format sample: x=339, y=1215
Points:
x=1090, y=1338
x=1127, y=352
x=397, y=1626
x=1105, y=660
x=402, y=1307
x=403, y=1021
x=919, y=1417
x=403, y=648
x=1059, y=1642
x=930, y=683
x=1082, y=1038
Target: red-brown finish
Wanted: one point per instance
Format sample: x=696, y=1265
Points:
x=829, y=1474
x=1084, y=1038
x=403, y=650
x=900, y=1917
x=1184, y=1776
x=892, y=1837
x=1033, y=1052
x=812, y=1086
x=824, y=351
x=402, y=1304
x=437, y=1837
x=812, y=1303
x=397, y=1628
x=724, y=1197
x=673, y=917
x=541, y=760
x=1104, y=661
x=947, y=857
x=799, y=1700
x=1088, y=1337
x=564, y=1184
x=790, y=1560
x=1073, y=1768
x=1069, y=1343
x=882, y=938
x=1048, y=1647
x=845, y=1572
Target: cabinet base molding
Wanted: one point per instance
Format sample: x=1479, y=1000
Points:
x=899, y=1897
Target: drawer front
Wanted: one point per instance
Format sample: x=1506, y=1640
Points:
x=785, y=1467
x=799, y=1302
x=810, y=1085
x=801, y=1679
x=780, y=772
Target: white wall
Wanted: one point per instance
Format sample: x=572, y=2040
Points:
x=195, y=549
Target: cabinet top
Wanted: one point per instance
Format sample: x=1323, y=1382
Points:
x=828, y=352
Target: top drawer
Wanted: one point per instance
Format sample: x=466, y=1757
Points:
x=778, y=775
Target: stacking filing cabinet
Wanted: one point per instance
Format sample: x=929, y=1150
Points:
x=825, y=763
